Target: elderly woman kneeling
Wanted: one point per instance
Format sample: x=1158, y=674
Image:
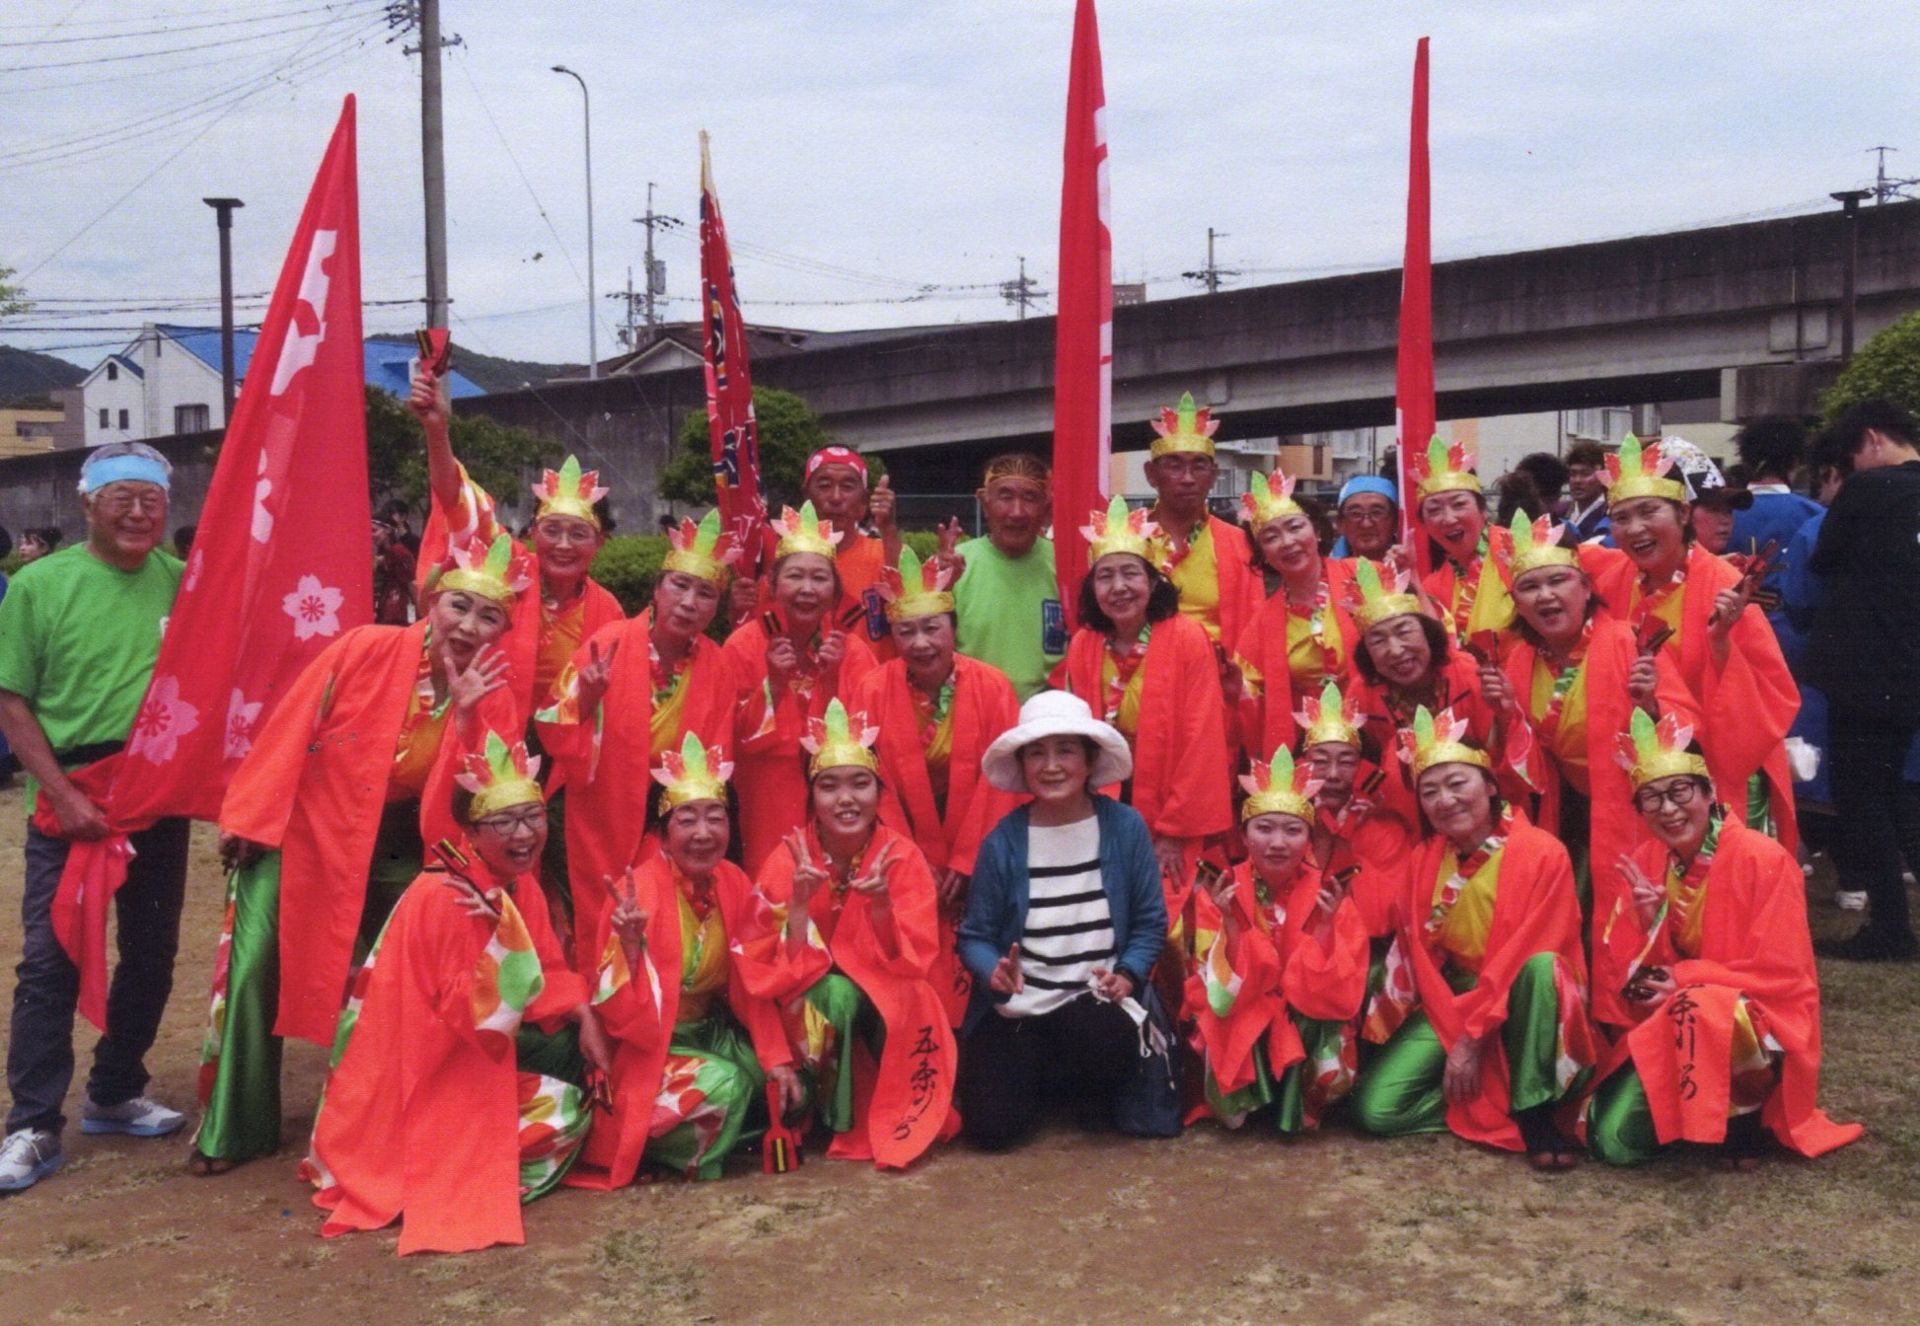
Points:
x=1064, y=921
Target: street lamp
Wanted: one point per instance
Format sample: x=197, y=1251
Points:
x=223, y=210
x=1849, y=200
x=593, y=314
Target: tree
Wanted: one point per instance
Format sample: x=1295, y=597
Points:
x=1887, y=368
x=789, y=432
x=13, y=299
x=498, y=456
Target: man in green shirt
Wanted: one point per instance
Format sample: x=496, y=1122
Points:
x=1007, y=601
x=79, y=634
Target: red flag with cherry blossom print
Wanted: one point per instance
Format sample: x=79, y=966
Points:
x=282, y=563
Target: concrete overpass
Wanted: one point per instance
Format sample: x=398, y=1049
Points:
x=1748, y=314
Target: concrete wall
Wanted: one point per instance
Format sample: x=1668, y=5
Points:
x=41, y=489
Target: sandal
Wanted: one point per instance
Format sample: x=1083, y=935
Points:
x=205, y=1166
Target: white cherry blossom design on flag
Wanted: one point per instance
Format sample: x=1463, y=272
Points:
x=241, y=717
x=262, y=518
x=163, y=719
x=314, y=607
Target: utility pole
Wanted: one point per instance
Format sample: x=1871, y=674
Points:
x=1212, y=275
x=1022, y=291
x=223, y=212
x=656, y=282
x=433, y=163
x=593, y=313
x=1884, y=187
x=1849, y=200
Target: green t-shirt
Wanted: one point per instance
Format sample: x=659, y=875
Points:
x=1006, y=608
x=78, y=640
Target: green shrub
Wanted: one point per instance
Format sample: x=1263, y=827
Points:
x=628, y=565
x=1887, y=367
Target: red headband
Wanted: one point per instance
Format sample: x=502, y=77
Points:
x=835, y=456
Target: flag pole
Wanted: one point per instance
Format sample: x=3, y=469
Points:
x=1414, y=407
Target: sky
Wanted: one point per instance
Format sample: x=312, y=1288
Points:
x=889, y=162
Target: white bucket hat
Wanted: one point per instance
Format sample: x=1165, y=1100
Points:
x=1050, y=714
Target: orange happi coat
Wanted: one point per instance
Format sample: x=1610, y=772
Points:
x=984, y=706
x=421, y=1120
x=909, y=1105
x=1616, y=826
x=1378, y=847
x=641, y=1014
x=1747, y=703
x=770, y=767
x=1535, y=911
x=1242, y=587
x=314, y=786
x=1458, y=688
x=1753, y=942
x=1267, y=719
x=1181, y=766
x=605, y=760
x=1288, y=961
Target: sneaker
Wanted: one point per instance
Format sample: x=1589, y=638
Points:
x=1850, y=900
x=139, y=1117
x=27, y=1156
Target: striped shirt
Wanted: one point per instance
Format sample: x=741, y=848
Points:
x=1069, y=928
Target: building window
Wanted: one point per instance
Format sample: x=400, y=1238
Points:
x=113, y=371
x=123, y=419
x=103, y=418
x=190, y=418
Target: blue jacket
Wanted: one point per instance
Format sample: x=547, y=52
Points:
x=997, y=898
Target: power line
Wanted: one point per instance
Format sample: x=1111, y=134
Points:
x=171, y=50
x=185, y=27
x=71, y=22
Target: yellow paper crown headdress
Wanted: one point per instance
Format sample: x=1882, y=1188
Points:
x=1650, y=751
x=1436, y=739
x=1330, y=719
x=1371, y=602
x=1443, y=469
x=1536, y=543
x=500, y=777
x=840, y=740
x=915, y=589
x=1185, y=429
x=692, y=773
x=702, y=550
x=1279, y=788
x=803, y=531
x=499, y=571
x=1118, y=530
x=1269, y=499
x=1641, y=472
x=569, y=492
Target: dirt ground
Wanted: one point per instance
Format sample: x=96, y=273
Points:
x=1212, y=1227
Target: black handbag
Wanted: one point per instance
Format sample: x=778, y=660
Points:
x=1148, y=1102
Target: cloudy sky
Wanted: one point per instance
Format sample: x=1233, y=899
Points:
x=866, y=150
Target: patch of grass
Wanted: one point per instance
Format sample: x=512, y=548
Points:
x=75, y=1247
x=640, y=1277
x=1863, y=1268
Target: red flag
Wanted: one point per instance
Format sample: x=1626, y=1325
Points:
x=1083, y=332
x=731, y=428
x=1413, y=380
x=282, y=563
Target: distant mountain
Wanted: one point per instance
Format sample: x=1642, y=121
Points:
x=26, y=374
x=496, y=374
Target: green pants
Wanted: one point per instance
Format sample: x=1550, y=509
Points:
x=1298, y=1099
x=848, y=1017
x=240, y=1057
x=1620, y=1126
x=712, y=1084
x=554, y=1114
x=1401, y=1090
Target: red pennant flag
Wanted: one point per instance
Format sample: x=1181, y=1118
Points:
x=282, y=563
x=1413, y=380
x=731, y=428
x=1083, y=332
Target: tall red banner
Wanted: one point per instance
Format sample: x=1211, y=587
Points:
x=1083, y=332
x=282, y=563
x=731, y=428
x=1413, y=380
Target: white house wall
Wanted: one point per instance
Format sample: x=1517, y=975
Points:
x=173, y=378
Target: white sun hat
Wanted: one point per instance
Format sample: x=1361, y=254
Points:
x=1049, y=714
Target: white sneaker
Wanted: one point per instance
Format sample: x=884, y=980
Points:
x=27, y=1156
x=1848, y=900
x=140, y=1117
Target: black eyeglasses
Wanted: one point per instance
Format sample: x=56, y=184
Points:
x=1648, y=799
